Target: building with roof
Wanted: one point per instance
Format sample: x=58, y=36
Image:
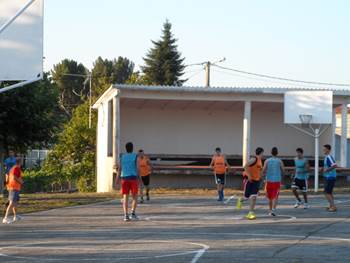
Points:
x=175, y=123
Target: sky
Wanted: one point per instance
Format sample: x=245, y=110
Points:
x=297, y=39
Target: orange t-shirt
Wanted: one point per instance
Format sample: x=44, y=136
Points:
x=12, y=183
x=255, y=170
x=144, y=167
x=219, y=164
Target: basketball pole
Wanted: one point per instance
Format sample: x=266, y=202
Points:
x=317, y=156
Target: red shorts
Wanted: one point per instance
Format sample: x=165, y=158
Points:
x=273, y=190
x=130, y=186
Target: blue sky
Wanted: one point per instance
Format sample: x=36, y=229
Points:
x=299, y=39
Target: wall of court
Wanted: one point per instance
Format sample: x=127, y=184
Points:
x=182, y=131
x=199, y=131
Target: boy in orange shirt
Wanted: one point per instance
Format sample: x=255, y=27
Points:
x=144, y=166
x=14, y=186
x=220, y=167
x=253, y=170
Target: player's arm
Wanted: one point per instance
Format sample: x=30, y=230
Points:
x=307, y=167
x=212, y=163
x=264, y=168
x=283, y=168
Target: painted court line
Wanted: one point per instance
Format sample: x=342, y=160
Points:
x=198, y=253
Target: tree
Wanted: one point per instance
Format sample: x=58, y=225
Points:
x=163, y=62
x=29, y=116
x=106, y=72
x=72, y=88
x=73, y=158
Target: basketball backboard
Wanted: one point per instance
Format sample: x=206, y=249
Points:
x=21, y=41
x=318, y=104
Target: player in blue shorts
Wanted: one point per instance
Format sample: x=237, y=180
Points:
x=300, y=178
x=330, y=175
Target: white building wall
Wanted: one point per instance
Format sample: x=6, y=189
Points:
x=200, y=131
x=268, y=130
x=104, y=163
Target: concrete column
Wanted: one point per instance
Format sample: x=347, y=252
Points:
x=344, y=135
x=246, y=131
x=116, y=129
x=334, y=127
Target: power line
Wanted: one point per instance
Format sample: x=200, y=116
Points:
x=195, y=73
x=283, y=79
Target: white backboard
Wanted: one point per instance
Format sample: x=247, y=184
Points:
x=319, y=104
x=21, y=43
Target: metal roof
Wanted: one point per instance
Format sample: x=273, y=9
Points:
x=268, y=90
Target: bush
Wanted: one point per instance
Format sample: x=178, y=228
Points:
x=36, y=181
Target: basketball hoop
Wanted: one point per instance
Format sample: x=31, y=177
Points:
x=305, y=120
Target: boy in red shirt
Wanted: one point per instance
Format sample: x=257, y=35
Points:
x=14, y=186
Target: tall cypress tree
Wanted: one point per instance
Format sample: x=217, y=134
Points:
x=163, y=62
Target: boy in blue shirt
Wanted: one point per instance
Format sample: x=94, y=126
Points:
x=128, y=172
x=330, y=175
x=300, y=178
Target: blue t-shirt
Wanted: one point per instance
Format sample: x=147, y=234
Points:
x=300, y=170
x=273, y=171
x=9, y=163
x=129, y=166
x=328, y=163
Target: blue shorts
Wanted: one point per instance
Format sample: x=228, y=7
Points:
x=329, y=185
x=14, y=196
x=220, y=179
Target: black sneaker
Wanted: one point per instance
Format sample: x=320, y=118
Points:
x=134, y=216
x=147, y=197
x=126, y=218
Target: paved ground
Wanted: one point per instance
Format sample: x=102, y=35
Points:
x=181, y=229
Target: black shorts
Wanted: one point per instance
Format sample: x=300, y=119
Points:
x=300, y=184
x=220, y=179
x=251, y=189
x=329, y=185
x=146, y=180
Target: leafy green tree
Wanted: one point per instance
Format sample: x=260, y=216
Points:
x=29, y=116
x=106, y=72
x=72, y=88
x=163, y=62
x=72, y=159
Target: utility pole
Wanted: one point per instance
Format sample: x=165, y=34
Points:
x=207, y=66
x=90, y=100
x=207, y=73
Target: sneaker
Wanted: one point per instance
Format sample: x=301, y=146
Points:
x=273, y=212
x=251, y=216
x=239, y=204
x=126, y=218
x=134, y=216
x=6, y=221
x=147, y=197
x=141, y=200
x=297, y=204
x=306, y=206
x=17, y=218
x=332, y=209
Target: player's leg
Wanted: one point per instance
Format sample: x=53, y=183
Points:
x=134, y=192
x=147, y=183
x=295, y=187
x=125, y=190
x=6, y=219
x=141, y=190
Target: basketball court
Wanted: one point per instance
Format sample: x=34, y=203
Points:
x=181, y=229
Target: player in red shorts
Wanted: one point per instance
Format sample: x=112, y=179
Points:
x=273, y=170
x=127, y=171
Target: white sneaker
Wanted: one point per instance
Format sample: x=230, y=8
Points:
x=6, y=221
x=297, y=204
x=306, y=206
x=17, y=218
